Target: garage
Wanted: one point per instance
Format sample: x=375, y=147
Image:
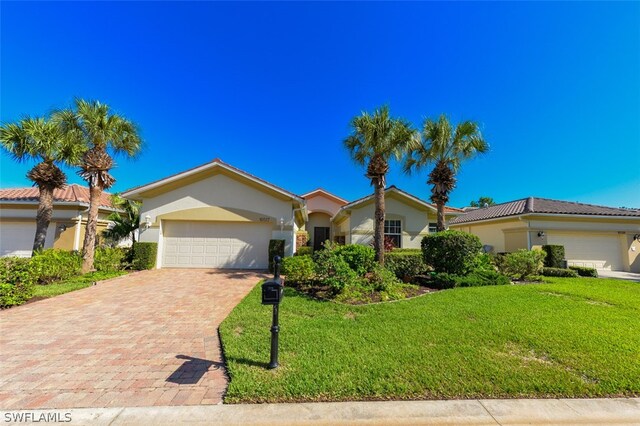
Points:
x=601, y=251
x=16, y=239
x=227, y=245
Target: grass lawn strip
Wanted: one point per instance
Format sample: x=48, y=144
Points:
x=570, y=337
x=72, y=284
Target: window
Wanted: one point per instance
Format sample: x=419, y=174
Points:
x=433, y=227
x=393, y=232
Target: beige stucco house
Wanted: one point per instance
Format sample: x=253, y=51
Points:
x=217, y=216
x=321, y=207
x=594, y=236
x=407, y=219
x=18, y=208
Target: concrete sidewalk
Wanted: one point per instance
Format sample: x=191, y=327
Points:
x=456, y=412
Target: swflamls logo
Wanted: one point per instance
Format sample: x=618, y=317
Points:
x=36, y=417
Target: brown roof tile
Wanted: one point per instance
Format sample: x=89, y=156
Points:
x=541, y=205
x=71, y=193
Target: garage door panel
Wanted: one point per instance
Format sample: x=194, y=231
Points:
x=216, y=245
x=16, y=239
x=600, y=251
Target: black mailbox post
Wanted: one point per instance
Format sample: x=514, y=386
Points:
x=272, y=293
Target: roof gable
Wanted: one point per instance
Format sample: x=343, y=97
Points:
x=202, y=172
x=534, y=205
x=319, y=192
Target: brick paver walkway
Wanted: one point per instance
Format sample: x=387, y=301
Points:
x=149, y=338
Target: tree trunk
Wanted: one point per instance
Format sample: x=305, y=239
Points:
x=89, y=247
x=43, y=217
x=441, y=224
x=378, y=238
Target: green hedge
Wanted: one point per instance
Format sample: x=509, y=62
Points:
x=584, y=271
x=453, y=252
x=359, y=258
x=298, y=269
x=554, y=256
x=17, y=281
x=521, y=264
x=443, y=280
x=405, y=264
x=144, y=255
x=55, y=265
x=276, y=248
x=109, y=259
x=304, y=251
x=558, y=272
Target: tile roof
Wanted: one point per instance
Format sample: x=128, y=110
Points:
x=541, y=205
x=395, y=188
x=71, y=194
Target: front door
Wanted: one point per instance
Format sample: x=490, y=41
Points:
x=320, y=235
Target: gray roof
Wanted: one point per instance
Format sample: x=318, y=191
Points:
x=541, y=205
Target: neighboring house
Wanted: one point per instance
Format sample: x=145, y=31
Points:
x=594, y=236
x=18, y=208
x=407, y=219
x=217, y=216
x=321, y=207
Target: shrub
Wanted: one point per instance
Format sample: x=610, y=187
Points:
x=405, y=264
x=109, y=259
x=304, y=251
x=54, y=265
x=333, y=271
x=144, y=255
x=381, y=279
x=523, y=263
x=584, y=271
x=17, y=280
x=298, y=269
x=558, y=272
x=443, y=281
x=482, y=278
x=359, y=258
x=276, y=248
x=451, y=251
x=554, y=256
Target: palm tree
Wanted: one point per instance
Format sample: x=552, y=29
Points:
x=373, y=141
x=42, y=140
x=125, y=224
x=103, y=133
x=447, y=148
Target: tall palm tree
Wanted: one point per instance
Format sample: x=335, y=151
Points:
x=124, y=224
x=104, y=133
x=42, y=140
x=446, y=148
x=373, y=141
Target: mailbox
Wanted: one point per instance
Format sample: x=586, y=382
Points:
x=272, y=291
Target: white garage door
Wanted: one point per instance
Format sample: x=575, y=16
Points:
x=601, y=251
x=216, y=245
x=16, y=239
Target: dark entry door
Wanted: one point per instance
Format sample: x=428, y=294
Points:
x=320, y=235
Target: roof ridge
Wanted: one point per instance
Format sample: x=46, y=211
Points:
x=584, y=204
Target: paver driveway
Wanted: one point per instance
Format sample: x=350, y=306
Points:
x=149, y=338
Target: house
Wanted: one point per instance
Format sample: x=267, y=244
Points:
x=407, y=219
x=593, y=236
x=217, y=216
x=18, y=208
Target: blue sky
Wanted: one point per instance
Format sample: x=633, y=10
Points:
x=271, y=87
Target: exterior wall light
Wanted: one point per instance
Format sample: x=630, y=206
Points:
x=62, y=227
x=541, y=234
x=636, y=237
x=147, y=222
x=281, y=224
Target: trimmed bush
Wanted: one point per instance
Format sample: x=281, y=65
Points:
x=380, y=278
x=109, y=259
x=359, y=258
x=584, y=271
x=298, y=269
x=522, y=263
x=144, y=255
x=276, y=248
x=17, y=281
x=304, y=251
x=451, y=251
x=558, y=272
x=443, y=281
x=482, y=278
x=55, y=265
x=554, y=256
x=405, y=264
x=334, y=271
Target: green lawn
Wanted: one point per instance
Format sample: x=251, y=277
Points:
x=72, y=284
x=570, y=337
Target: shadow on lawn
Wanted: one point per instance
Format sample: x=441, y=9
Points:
x=249, y=362
x=192, y=370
